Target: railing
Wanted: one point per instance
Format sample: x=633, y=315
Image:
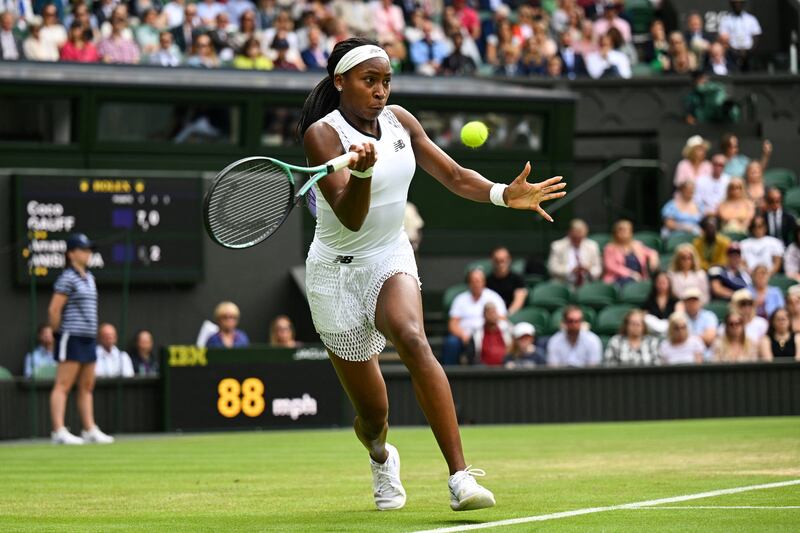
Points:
x=602, y=178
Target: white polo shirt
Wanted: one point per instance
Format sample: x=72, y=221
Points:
x=740, y=29
x=113, y=363
x=469, y=311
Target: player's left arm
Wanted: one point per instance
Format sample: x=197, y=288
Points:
x=469, y=184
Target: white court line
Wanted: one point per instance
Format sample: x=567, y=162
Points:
x=723, y=507
x=591, y=510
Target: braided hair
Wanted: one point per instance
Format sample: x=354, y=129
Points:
x=324, y=98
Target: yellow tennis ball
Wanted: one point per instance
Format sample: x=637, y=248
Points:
x=474, y=133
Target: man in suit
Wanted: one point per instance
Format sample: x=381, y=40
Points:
x=572, y=62
x=575, y=259
x=780, y=224
x=184, y=34
x=717, y=63
x=10, y=43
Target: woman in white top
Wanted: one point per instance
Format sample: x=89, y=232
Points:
x=762, y=249
x=685, y=273
x=361, y=275
x=733, y=346
x=680, y=347
x=607, y=62
x=791, y=257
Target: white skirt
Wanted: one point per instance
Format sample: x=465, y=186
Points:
x=343, y=297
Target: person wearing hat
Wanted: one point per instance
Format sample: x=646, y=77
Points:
x=72, y=314
x=702, y=322
x=711, y=246
x=742, y=31
x=755, y=327
x=523, y=352
x=694, y=163
x=725, y=280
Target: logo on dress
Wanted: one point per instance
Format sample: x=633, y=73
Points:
x=343, y=259
x=399, y=145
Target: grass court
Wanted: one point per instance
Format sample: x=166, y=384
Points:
x=320, y=480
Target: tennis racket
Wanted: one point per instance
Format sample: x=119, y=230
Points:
x=250, y=199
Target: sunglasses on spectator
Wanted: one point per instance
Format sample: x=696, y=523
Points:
x=735, y=323
x=228, y=317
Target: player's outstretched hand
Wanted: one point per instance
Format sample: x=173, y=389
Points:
x=366, y=157
x=523, y=195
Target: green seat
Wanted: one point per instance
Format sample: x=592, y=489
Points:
x=550, y=295
x=481, y=264
x=782, y=178
x=601, y=239
x=782, y=282
x=792, y=199
x=676, y=239
x=641, y=14
x=610, y=319
x=650, y=239
x=635, y=293
x=450, y=295
x=595, y=294
x=540, y=318
x=604, y=339
x=719, y=308
x=664, y=261
x=735, y=235
x=589, y=315
x=5, y=374
x=517, y=266
x=533, y=279
x=46, y=372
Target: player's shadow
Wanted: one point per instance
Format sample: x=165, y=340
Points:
x=462, y=522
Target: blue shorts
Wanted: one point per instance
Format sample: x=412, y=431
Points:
x=70, y=347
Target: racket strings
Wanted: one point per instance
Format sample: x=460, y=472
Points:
x=249, y=203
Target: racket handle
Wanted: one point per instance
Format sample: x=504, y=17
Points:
x=338, y=163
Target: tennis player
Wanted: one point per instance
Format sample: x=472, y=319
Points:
x=73, y=316
x=361, y=275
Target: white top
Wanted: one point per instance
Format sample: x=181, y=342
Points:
x=682, y=354
x=740, y=30
x=710, y=192
x=391, y=179
x=113, y=363
x=753, y=330
x=469, y=311
x=587, y=350
x=596, y=64
x=761, y=251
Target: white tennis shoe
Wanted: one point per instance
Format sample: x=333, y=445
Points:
x=96, y=436
x=466, y=494
x=386, y=486
x=63, y=436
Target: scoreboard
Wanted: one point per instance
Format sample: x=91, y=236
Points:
x=152, y=223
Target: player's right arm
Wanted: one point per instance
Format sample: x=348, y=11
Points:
x=57, y=303
x=347, y=195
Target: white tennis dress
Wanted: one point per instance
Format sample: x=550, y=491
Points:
x=345, y=269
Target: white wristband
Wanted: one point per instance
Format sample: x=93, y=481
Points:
x=366, y=174
x=496, y=194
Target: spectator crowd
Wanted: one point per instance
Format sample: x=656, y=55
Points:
x=552, y=39
x=718, y=284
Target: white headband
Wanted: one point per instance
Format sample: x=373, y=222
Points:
x=358, y=55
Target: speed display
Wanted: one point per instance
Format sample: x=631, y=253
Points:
x=152, y=223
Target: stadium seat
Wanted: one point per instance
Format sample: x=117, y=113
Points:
x=641, y=14
x=482, y=264
x=792, y=199
x=589, y=315
x=533, y=279
x=517, y=266
x=46, y=373
x=5, y=375
x=450, y=295
x=735, y=235
x=601, y=239
x=540, y=318
x=610, y=318
x=550, y=295
x=676, y=239
x=782, y=178
x=719, y=308
x=635, y=293
x=664, y=261
x=604, y=339
x=650, y=239
x=782, y=282
x=595, y=294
